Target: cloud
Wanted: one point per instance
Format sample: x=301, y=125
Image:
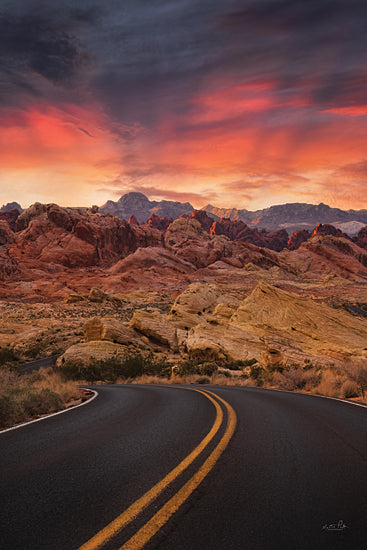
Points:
x=31, y=42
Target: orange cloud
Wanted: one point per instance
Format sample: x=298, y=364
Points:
x=352, y=110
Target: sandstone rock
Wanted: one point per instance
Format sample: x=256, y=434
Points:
x=272, y=358
x=156, y=327
x=192, y=306
x=314, y=327
x=89, y=351
x=74, y=299
x=97, y=295
x=218, y=342
x=275, y=326
x=109, y=329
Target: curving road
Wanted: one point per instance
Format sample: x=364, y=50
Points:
x=111, y=473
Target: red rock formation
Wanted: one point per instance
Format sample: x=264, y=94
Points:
x=8, y=268
x=238, y=230
x=326, y=229
x=202, y=217
x=297, y=238
x=77, y=239
x=133, y=220
x=6, y=235
x=361, y=238
x=159, y=223
x=10, y=217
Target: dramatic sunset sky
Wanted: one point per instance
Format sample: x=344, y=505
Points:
x=243, y=103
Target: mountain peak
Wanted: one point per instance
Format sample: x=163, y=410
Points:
x=138, y=205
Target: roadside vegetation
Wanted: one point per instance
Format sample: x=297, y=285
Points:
x=52, y=389
x=30, y=396
x=139, y=368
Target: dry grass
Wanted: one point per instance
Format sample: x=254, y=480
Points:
x=52, y=380
x=25, y=397
x=349, y=389
x=329, y=385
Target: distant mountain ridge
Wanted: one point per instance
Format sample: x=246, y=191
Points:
x=138, y=205
x=8, y=207
x=294, y=216
x=290, y=217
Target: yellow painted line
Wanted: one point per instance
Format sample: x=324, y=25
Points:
x=140, y=539
x=100, y=538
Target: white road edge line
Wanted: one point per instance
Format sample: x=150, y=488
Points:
x=323, y=396
x=50, y=415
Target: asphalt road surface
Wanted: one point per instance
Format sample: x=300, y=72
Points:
x=174, y=469
x=28, y=368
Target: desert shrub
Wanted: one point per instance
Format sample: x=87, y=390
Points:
x=292, y=379
x=131, y=365
x=21, y=398
x=10, y=411
x=349, y=389
x=328, y=385
x=226, y=373
x=358, y=373
x=157, y=366
x=34, y=351
x=203, y=380
x=257, y=373
x=239, y=364
x=189, y=366
x=41, y=401
x=208, y=369
x=8, y=355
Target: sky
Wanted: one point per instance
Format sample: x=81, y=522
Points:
x=242, y=103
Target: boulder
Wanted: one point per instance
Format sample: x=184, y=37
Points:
x=193, y=305
x=100, y=350
x=97, y=295
x=109, y=329
x=156, y=327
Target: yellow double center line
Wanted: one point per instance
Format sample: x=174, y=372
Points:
x=150, y=528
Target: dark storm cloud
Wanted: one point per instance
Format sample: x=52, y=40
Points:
x=39, y=41
x=323, y=40
x=145, y=60
x=35, y=43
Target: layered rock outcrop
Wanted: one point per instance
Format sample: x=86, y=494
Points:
x=271, y=325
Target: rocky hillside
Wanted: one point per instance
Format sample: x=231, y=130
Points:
x=52, y=253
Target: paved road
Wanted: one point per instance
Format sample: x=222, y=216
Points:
x=294, y=464
x=27, y=368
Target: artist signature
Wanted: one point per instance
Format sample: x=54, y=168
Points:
x=340, y=526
